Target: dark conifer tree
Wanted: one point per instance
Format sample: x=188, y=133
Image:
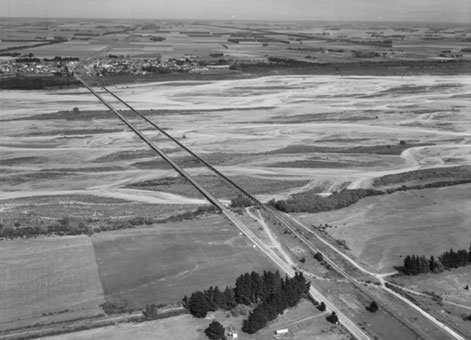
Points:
x=271, y=283
x=333, y=318
x=243, y=289
x=215, y=331
x=218, y=299
x=256, y=284
x=433, y=264
x=210, y=298
x=424, y=265
x=373, y=307
x=407, y=264
x=416, y=265
x=289, y=290
x=257, y=319
x=229, y=301
x=462, y=258
x=279, y=301
x=271, y=308
x=199, y=305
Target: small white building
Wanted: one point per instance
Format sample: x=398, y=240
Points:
x=281, y=331
x=231, y=333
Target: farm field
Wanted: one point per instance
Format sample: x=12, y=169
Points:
x=450, y=285
x=382, y=230
x=163, y=263
x=48, y=280
x=304, y=322
x=248, y=41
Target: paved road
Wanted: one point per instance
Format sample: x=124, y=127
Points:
x=354, y=329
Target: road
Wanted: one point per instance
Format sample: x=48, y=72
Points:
x=354, y=329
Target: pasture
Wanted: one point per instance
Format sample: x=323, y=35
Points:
x=450, y=285
x=382, y=230
x=304, y=322
x=163, y=263
x=48, y=280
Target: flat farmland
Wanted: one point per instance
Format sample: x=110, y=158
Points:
x=163, y=263
x=48, y=280
x=382, y=230
x=66, y=49
x=304, y=321
x=449, y=285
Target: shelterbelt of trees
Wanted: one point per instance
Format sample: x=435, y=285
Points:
x=37, y=83
x=414, y=265
x=271, y=294
x=310, y=201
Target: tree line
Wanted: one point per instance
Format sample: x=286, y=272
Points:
x=414, y=265
x=37, y=83
x=56, y=40
x=202, y=302
x=269, y=291
x=310, y=201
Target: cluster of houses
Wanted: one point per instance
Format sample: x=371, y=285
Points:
x=34, y=67
x=107, y=66
x=137, y=66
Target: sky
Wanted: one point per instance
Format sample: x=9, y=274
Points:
x=364, y=10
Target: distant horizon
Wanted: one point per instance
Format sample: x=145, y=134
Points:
x=433, y=11
x=38, y=18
